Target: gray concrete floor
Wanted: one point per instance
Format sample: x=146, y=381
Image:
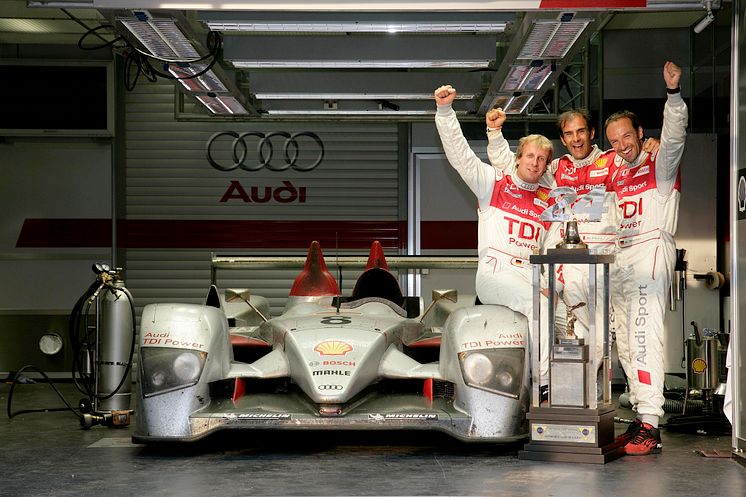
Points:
x=48, y=454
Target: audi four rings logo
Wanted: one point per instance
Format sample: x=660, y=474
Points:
x=265, y=149
x=330, y=387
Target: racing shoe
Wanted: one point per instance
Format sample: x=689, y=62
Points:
x=628, y=435
x=647, y=441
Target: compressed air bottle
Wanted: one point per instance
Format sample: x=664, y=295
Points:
x=115, y=339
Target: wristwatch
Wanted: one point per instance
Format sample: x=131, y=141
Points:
x=673, y=91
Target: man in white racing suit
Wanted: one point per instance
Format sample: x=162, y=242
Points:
x=583, y=168
x=648, y=189
x=509, y=208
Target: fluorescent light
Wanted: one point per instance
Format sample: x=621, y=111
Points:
x=552, y=39
x=222, y=105
x=356, y=27
x=161, y=37
x=351, y=112
x=354, y=96
x=526, y=78
x=204, y=82
x=517, y=104
x=360, y=64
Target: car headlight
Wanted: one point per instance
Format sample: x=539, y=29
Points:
x=495, y=370
x=164, y=369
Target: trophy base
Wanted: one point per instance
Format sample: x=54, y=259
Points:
x=572, y=435
x=571, y=246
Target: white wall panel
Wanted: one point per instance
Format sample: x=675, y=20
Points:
x=175, y=216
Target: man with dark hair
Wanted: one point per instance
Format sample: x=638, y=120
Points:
x=583, y=168
x=647, y=187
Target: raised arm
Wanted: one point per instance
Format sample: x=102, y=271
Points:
x=477, y=175
x=498, y=149
x=673, y=134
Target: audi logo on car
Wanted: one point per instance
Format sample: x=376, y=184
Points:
x=330, y=387
x=265, y=149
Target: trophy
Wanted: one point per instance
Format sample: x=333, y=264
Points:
x=571, y=318
x=568, y=208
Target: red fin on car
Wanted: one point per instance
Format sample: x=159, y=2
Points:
x=376, y=258
x=315, y=280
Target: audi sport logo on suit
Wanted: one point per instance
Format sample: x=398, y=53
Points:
x=254, y=151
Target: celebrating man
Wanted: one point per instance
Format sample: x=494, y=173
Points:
x=647, y=188
x=509, y=209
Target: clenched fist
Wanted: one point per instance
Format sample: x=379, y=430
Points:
x=445, y=95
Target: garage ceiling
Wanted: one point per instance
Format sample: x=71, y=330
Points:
x=374, y=61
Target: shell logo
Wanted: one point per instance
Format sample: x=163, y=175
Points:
x=601, y=163
x=542, y=195
x=699, y=365
x=333, y=347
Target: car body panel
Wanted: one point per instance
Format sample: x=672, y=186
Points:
x=326, y=364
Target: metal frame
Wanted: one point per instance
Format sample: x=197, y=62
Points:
x=592, y=260
x=738, y=437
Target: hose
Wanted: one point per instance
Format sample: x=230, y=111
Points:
x=24, y=411
x=673, y=406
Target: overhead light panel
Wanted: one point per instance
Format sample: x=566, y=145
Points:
x=360, y=64
x=552, y=39
x=517, y=104
x=160, y=36
x=356, y=27
x=207, y=81
x=526, y=78
x=353, y=96
x=222, y=105
x=336, y=112
x=513, y=104
x=165, y=41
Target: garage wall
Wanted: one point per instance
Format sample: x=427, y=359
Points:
x=180, y=208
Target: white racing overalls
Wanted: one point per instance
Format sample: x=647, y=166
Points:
x=582, y=176
x=509, y=227
x=648, y=193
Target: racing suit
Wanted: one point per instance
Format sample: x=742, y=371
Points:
x=583, y=176
x=648, y=193
x=509, y=228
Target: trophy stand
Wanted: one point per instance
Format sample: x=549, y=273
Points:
x=573, y=425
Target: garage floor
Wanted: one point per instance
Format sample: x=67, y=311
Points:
x=47, y=454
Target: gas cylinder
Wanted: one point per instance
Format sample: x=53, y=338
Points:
x=113, y=383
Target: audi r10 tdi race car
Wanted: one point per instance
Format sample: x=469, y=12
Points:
x=369, y=361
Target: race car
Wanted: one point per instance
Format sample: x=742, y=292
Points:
x=373, y=360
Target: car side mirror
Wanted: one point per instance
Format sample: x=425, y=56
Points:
x=451, y=294
x=242, y=294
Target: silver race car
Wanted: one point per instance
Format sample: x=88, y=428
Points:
x=370, y=361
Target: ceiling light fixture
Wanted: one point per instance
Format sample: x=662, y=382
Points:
x=356, y=27
x=351, y=112
x=160, y=36
x=707, y=19
x=360, y=64
x=222, y=105
x=353, y=96
x=515, y=104
x=552, y=39
x=526, y=78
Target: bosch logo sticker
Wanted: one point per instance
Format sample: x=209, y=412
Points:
x=265, y=149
